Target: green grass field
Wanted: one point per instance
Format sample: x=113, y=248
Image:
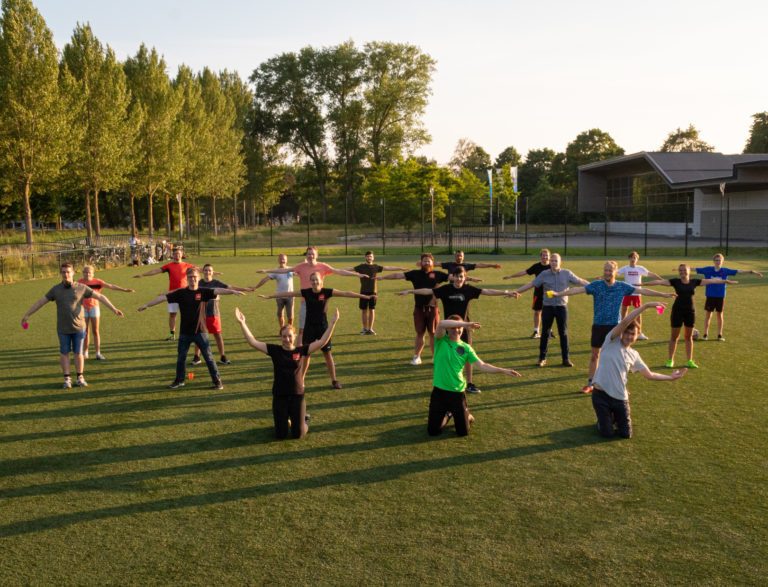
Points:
x=127, y=482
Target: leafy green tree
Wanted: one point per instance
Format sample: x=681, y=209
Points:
x=469, y=155
x=34, y=120
x=508, y=156
x=225, y=167
x=398, y=78
x=758, y=134
x=685, y=141
x=103, y=158
x=288, y=95
x=536, y=167
x=588, y=146
x=159, y=104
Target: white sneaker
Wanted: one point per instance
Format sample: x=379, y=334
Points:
x=67, y=383
x=100, y=357
x=642, y=336
x=85, y=354
x=81, y=382
x=416, y=360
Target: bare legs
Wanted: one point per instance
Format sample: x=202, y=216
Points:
x=688, y=336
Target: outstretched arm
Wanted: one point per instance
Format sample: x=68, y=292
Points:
x=644, y=291
x=444, y=325
x=518, y=274
x=249, y=338
x=391, y=276
x=752, y=271
x=423, y=291
x=488, y=368
x=394, y=268
x=34, y=308
x=350, y=294
x=571, y=291
x=659, y=281
x=524, y=288
x=318, y=344
x=155, y=271
x=653, y=376
x=653, y=275
x=118, y=288
x=487, y=265
x=158, y=300
x=629, y=318
x=715, y=280
x=104, y=300
x=220, y=291
x=282, y=294
x=497, y=292
x=278, y=270
x=262, y=282
x=348, y=273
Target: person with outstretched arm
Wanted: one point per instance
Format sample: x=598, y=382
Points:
x=289, y=409
x=610, y=396
x=448, y=400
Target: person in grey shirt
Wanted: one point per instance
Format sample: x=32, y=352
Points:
x=70, y=319
x=554, y=279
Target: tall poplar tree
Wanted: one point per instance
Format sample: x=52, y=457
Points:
x=104, y=156
x=33, y=114
x=159, y=104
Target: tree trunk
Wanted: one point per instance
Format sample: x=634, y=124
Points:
x=133, y=213
x=150, y=217
x=187, y=216
x=88, y=225
x=321, y=188
x=213, y=214
x=28, y=211
x=96, y=216
x=168, y=215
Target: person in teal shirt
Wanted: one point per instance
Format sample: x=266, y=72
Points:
x=448, y=399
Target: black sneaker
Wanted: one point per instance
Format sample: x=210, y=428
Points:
x=216, y=384
x=472, y=388
x=224, y=360
x=176, y=385
x=196, y=361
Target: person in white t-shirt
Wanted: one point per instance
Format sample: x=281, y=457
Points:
x=610, y=397
x=283, y=283
x=633, y=274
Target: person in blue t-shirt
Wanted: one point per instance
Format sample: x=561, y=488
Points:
x=607, y=294
x=715, y=293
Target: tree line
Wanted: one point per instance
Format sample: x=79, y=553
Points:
x=330, y=131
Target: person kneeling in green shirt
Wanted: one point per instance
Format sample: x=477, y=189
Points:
x=448, y=399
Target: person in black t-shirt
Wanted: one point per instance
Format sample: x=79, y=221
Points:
x=192, y=302
x=316, y=302
x=683, y=310
x=538, y=292
x=456, y=297
x=368, y=287
x=289, y=409
x=425, y=313
x=458, y=261
x=212, y=314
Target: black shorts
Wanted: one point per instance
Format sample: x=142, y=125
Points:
x=285, y=407
x=599, y=332
x=683, y=316
x=367, y=304
x=714, y=304
x=313, y=332
x=425, y=319
x=538, y=299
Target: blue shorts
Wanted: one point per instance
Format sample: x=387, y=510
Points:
x=71, y=342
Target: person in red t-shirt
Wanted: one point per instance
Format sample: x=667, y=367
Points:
x=177, y=278
x=92, y=311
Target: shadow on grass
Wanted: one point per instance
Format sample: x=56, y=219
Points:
x=409, y=435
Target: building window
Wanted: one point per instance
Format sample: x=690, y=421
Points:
x=629, y=198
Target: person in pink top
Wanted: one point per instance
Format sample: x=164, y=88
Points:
x=309, y=266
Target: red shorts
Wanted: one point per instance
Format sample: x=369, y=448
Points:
x=213, y=324
x=633, y=301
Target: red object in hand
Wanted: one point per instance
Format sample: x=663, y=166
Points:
x=659, y=310
x=25, y=325
x=190, y=376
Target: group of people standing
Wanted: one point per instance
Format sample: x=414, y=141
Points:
x=617, y=325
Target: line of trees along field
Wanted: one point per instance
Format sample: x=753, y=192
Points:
x=86, y=136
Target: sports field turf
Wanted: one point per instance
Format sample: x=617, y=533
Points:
x=127, y=482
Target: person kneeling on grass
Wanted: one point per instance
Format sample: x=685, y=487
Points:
x=610, y=397
x=448, y=399
x=289, y=408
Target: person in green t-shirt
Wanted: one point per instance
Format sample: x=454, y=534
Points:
x=448, y=399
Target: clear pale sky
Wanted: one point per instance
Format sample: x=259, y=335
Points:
x=528, y=74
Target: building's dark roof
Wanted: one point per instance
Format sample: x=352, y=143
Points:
x=681, y=170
